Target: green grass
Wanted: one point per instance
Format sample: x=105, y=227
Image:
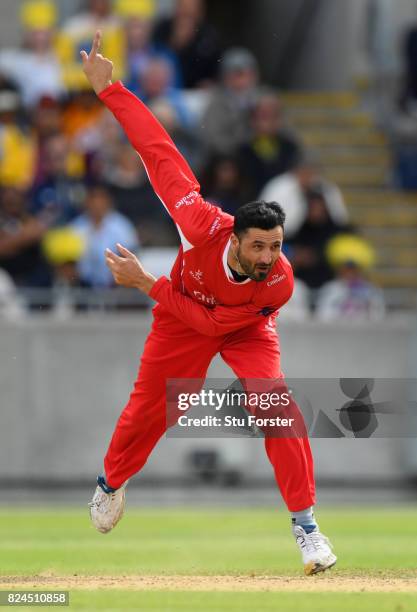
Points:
x=368, y=542
x=246, y=602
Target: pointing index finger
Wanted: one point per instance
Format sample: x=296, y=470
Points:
x=96, y=44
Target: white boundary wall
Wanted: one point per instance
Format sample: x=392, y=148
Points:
x=63, y=385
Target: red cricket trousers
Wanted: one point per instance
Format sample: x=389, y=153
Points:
x=174, y=351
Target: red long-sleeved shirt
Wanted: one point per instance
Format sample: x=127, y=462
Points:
x=202, y=293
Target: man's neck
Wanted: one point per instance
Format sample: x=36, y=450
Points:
x=234, y=265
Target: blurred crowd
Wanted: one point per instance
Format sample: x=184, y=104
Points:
x=71, y=185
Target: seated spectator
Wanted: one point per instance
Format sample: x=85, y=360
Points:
x=100, y=144
x=101, y=227
x=137, y=20
x=78, y=32
x=350, y=296
x=193, y=40
x=308, y=246
x=98, y=15
x=11, y=305
x=17, y=158
x=225, y=183
x=290, y=191
x=20, y=240
x=63, y=248
x=157, y=83
x=272, y=150
x=35, y=67
x=58, y=199
x=82, y=112
x=46, y=122
x=185, y=139
x=135, y=198
x=226, y=122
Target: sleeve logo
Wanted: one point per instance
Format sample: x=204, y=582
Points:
x=187, y=200
x=215, y=226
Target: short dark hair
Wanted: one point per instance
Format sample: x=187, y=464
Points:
x=260, y=214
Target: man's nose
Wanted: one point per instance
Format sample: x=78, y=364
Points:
x=266, y=259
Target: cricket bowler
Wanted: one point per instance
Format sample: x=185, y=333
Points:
x=227, y=284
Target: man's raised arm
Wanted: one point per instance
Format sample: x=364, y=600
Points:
x=170, y=175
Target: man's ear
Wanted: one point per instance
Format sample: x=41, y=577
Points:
x=234, y=241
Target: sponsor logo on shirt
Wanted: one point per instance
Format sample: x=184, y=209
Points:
x=187, y=200
x=197, y=276
x=203, y=298
x=216, y=225
x=277, y=278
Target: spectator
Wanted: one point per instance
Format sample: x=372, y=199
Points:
x=158, y=83
x=35, y=67
x=47, y=122
x=63, y=248
x=350, y=296
x=101, y=227
x=17, y=158
x=185, y=139
x=99, y=143
x=97, y=16
x=135, y=198
x=137, y=19
x=83, y=111
x=58, y=199
x=225, y=183
x=308, y=246
x=20, y=240
x=226, y=122
x=193, y=40
x=272, y=150
x=290, y=191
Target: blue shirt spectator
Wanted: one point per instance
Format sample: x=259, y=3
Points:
x=101, y=227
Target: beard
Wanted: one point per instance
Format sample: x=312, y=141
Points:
x=256, y=272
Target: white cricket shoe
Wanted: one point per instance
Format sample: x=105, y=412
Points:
x=106, y=509
x=316, y=550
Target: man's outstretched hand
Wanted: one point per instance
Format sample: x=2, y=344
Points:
x=128, y=271
x=98, y=69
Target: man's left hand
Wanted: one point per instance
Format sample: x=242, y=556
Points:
x=128, y=271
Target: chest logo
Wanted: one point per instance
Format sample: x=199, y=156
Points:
x=277, y=278
x=197, y=276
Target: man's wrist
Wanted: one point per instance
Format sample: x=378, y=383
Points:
x=99, y=88
x=146, y=284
